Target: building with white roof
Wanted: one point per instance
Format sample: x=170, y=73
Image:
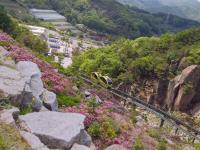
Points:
x=47, y=15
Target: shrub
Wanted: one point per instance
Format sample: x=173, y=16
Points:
x=26, y=110
x=94, y=129
x=134, y=114
x=2, y=143
x=105, y=128
x=64, y=100
x=92, y=104
x=108, y=130
x=138, y=145
x=162, y=145
x=154, y=133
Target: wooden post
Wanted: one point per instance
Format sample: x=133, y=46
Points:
x=162, y=121
x=176, y=131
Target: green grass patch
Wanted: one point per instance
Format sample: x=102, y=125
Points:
x=138, y=145
x=162, y=145
x=25, y=110
x=64, y=100
x=154, y=133
x=10, y=139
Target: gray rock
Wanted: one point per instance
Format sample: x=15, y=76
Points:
x=75, y=88
x=115, y=147
x=9, y=116
x=36, y=86
x=36, y=104
x=33, y=141
x=43, y=109
x=54, y=129
x=28, y=69
x=85, y=139
x=12, y=85
x=80, y=147
x=98, y=100
x=49, y=100
x=31, y=71
x=87, y=94
x=3, y=51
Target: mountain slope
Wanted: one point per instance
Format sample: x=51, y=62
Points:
x=189, y=9
x=121, y=21
x=14, y=8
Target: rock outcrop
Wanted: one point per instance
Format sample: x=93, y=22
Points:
x=21, y=84
x=56, y=130
x=183, y=89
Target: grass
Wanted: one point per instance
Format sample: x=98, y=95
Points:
x=162, y=145
x=155, y=133
x=10, y=139
x=138, y=145
x=64, y=100
x=25, y=110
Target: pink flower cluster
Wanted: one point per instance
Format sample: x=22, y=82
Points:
x=91, y=116
x=52, y=80
x=5, y=37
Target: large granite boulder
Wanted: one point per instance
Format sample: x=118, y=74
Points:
x=12, y=85
x=183, y=89
x=55, y=129
x=31, y=71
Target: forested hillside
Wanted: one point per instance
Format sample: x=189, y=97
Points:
x=189, y=9
x=111, y=17
x=143, y=58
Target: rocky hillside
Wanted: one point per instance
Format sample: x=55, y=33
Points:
x=28, y=110
x=121, y=21
x=183, y=8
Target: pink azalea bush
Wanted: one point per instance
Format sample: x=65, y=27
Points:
x=91, y=116
x=5, y=37
x=52, y=80
x=103, y=110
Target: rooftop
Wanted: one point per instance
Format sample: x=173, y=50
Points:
x=48, y=15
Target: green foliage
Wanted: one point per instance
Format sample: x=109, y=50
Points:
x=124, y=21
x=196, y=146
x=10, y=138
x=20, y=33
x=162, y=145
x=130, y=60
x=64, y=100
x=2, y=143
x=105, y=128
x=94, y=129
x=93, y=104
x=138, y=145
x=5, y=103
x=133, y=116
x=25, y=110
x=154, y=133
